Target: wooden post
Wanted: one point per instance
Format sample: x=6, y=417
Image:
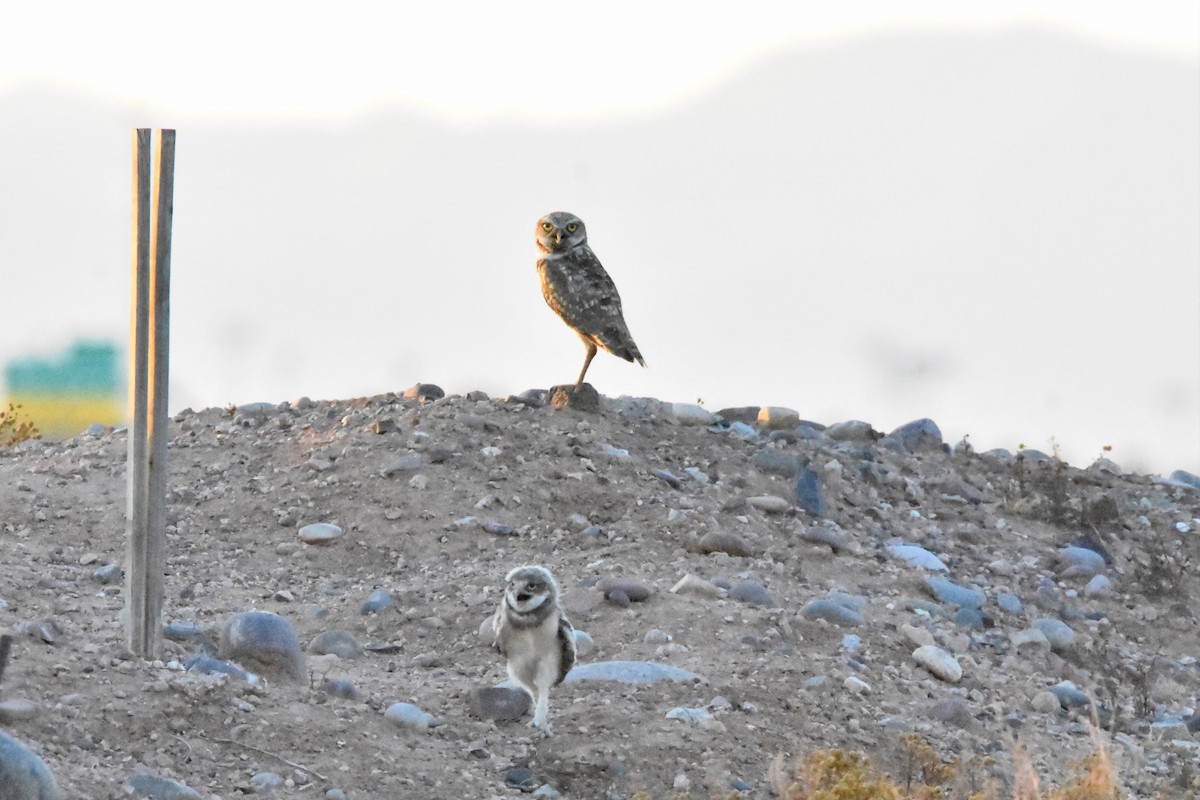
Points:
x=149, y=331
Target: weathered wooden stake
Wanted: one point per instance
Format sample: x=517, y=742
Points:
x=149, y=351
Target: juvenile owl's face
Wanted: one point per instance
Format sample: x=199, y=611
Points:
x=559, y=231
x=529, y=588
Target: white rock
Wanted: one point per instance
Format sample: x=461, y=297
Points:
x=917, y=635
x=769, y=503
x=856, y=685
x=941, y=663
x=690, y=584
x=319, y=533
x=691, y=414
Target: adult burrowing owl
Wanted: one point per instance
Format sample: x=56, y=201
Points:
x=576, y=286
x=532, y=633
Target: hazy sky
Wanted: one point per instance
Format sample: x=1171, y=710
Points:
x=474, y=61
x=561, y=75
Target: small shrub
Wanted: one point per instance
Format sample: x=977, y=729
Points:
x=14, y=429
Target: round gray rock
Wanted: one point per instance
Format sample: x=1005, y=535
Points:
x=264, y=641
x=337, y=642
x=23, y=774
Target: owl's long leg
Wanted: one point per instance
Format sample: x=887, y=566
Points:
x=587, y=361
x=541, y=709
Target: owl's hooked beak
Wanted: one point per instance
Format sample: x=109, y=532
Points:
x=558, y=237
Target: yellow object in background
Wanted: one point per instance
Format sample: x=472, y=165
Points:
x=63, y=396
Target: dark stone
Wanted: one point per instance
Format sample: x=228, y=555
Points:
x=753, y=593
x=155, y=787
x=724, y=542
x=921, y=434
x=744, y=414
x=209, y=665
x=1090, y=543
x=109, y=574
x=668, y=478
x=424, y=392
x=264, y=641
x=379, y=600
x=634, y=589
x=521, y=778
x=500, y=703
x=583, y=397
x=807, y=490
x=385, y=425
x=339, y=643
x=23, y=774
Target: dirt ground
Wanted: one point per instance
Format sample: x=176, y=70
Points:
x=437, y=500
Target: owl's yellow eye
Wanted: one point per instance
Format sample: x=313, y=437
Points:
x=572, y=227
x=547, y=227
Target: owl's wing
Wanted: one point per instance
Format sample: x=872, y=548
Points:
x=566, y=643
x=582, y=293
x=497, y=623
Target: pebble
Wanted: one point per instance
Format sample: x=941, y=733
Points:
x=319, y=533
x=691, y=584
x=1098, y=585
x=774, y=418
x=264, y=640
x=691, y=414
x=210, y=665
x=406, y=715
x=1069, y=695
x=725, y=542
x=1009, y=602
x=742, y=414
x=917, y=556
x=856, y=685
x=823, y=534
x=109, y=574
x=583, y=397
x=1029, y=638
x=1057, y=632
x=424, y=392
x=631, y=589
x=971, y=618
x=669, y=479
x=145, y=783
x=336, y=642
x=852, y=430
x=690, y=714
x=378, y=600
x=833, y=612
x=630, y=672
x=18, y=710
x=1080, y=562
x=583, y=642
x=941, y=663
x=948, y=591
x=263, y=782
x=917, y=635
x=769, y=503
x=921, y=434
x=1182, y=477
x=499, y=703
x=753, y=593
x=808, y=493
x=521, y=778
x=398, y=464
x=1045, y=702
x=776, y=462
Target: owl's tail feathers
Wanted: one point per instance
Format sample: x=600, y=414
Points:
x=630, y=352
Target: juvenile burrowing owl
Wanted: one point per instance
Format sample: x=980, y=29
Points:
x=576, y=286
x=532, y=633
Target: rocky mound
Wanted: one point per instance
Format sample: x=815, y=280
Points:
x=750, y=583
